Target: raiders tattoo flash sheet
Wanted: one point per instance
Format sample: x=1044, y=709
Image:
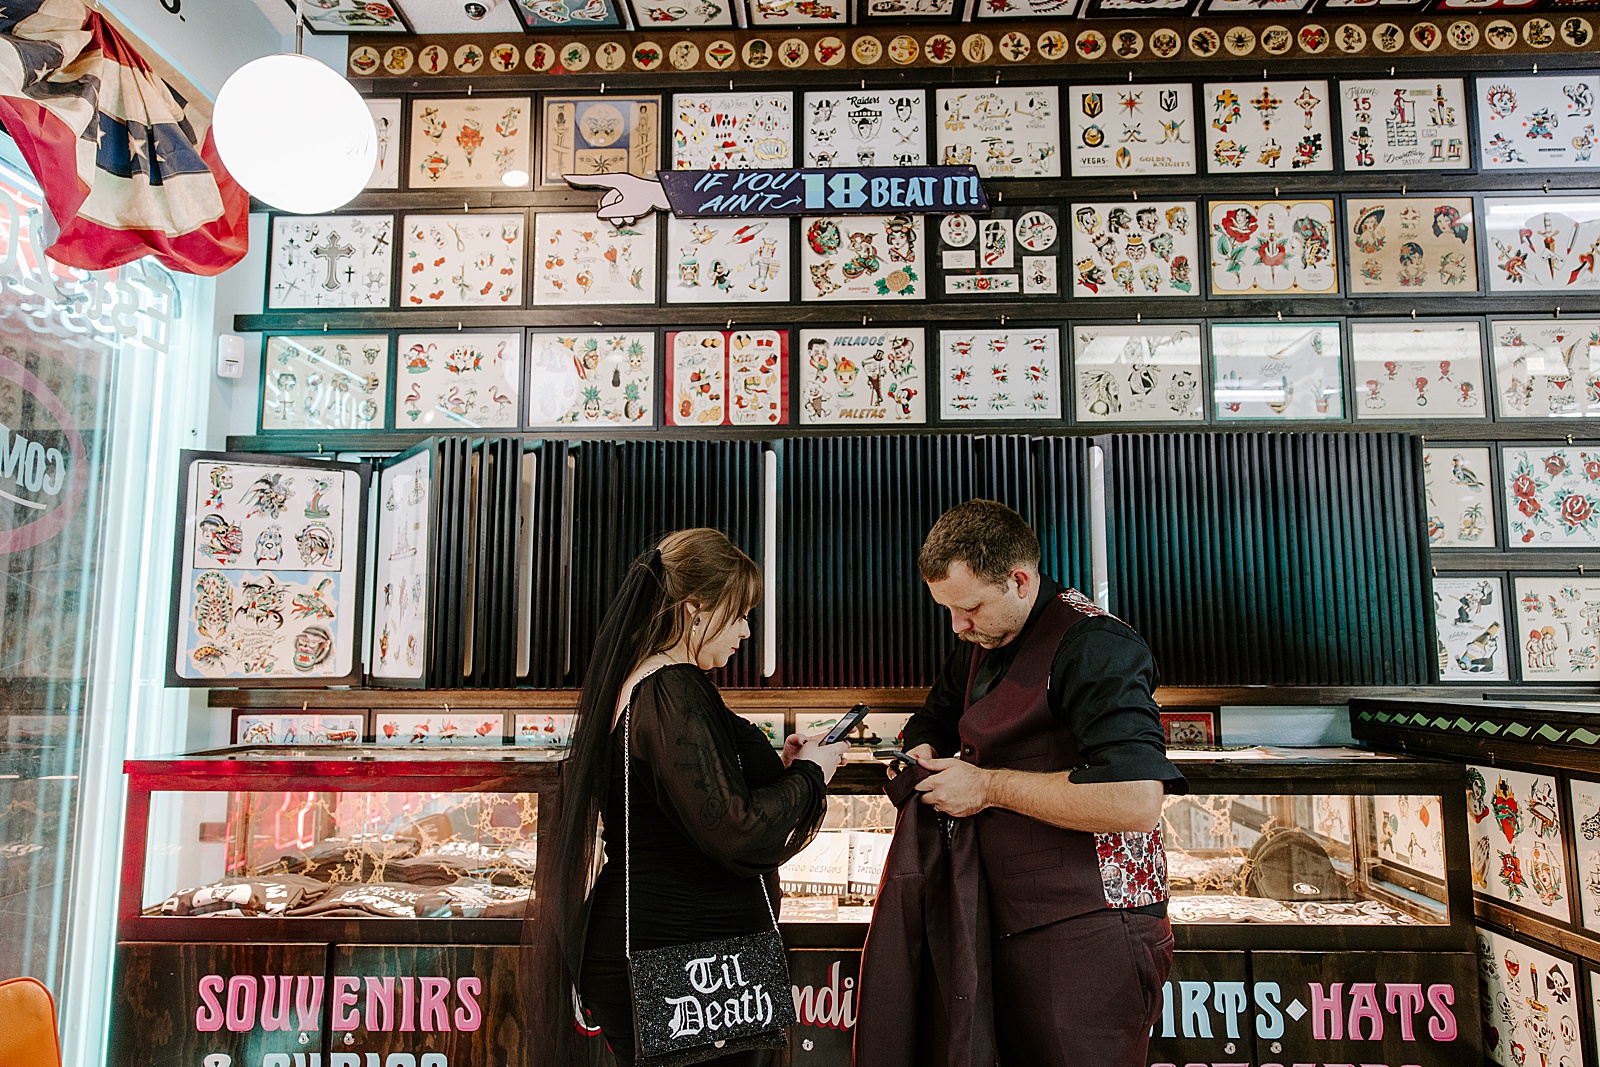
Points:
x=869, y=128
x=1132, y=129
x=330, y=261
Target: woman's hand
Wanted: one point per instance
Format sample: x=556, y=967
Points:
x=791, y=748
x=828, y=757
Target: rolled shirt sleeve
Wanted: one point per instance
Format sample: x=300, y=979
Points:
x=1104, y=678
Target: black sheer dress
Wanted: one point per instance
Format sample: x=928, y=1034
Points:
x=714, y=809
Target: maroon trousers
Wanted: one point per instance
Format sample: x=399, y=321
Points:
x=1080, y=991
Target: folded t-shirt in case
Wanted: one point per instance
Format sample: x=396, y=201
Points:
x=429, y=870
x=245, y=897
x=478, y=900
x=386, y=900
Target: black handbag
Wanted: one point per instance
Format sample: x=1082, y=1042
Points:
x=705, y=999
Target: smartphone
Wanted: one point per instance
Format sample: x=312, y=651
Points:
x=847, y=722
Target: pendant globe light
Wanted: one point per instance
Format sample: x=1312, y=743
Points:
x=294, y=133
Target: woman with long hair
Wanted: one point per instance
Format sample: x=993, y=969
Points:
x=714, y=809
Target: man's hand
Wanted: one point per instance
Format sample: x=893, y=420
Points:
x=957, y=788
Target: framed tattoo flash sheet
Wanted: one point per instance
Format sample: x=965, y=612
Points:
x=866, y=376
x=1542, y=243
x=1268, y=127
x=1273, y=246
x=722, y=261
x=1000, y=374
x=732, y=131
x=1546, y=368
x=1024, y=9
x=1408, y=369
x=1404, y=124
x=559, y=16
x=1517, y=854
x=1558, y=627
x=1406, y=245
x=403, y=576
x=386, y=123
x=866, y=128
x=1149, y=372
x=580, y=258
x=313, y=728
x=682, y=14
x=809, y=13
x=470, y=142
x=1135, y=248
x=1005, y=132
x=463, y=260
x=862, y=257
x=330, y=261
x=323, y=381
x=1550, y=493
x=459, y=381
x=354, y=16
x=727, y=378
x=601, y=379
x=1513, y=1012
x=1009, y=250
x=1131, y=129
x=1469, y=621
x=267, y=579
x=1277, y=370
x=599, y=135
x=1584, y=796
x=1537, y=123
x=1458, y=483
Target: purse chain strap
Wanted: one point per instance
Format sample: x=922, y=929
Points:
x=627, y=829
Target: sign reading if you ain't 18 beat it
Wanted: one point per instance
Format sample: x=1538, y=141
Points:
x=698, y=194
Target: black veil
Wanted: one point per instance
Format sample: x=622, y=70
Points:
x=556, y=920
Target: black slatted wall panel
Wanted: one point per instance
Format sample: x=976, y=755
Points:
x=851, y=517
x=628, y=493
x=547, y=628
x=1271, y=559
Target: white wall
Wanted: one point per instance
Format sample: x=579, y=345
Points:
x=207, y=40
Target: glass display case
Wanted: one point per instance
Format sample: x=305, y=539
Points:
x=289, y=834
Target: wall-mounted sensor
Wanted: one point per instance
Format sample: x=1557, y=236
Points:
x=477, y=9
x=230, y=356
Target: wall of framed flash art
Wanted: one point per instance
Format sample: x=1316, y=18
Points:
x=1363, y=250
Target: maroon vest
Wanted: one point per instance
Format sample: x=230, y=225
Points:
x=1037, y=873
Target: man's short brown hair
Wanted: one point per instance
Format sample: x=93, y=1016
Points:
x=990, y=538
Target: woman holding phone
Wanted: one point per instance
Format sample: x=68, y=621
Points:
x=714, y=812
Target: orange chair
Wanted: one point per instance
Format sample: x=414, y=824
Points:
x=28, y=1039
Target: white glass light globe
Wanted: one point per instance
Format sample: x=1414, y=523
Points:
x=294, y=133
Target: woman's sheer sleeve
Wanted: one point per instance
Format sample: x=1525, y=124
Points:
x=680, y=733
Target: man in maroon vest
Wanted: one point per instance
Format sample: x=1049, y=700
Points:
x=1043, y=730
